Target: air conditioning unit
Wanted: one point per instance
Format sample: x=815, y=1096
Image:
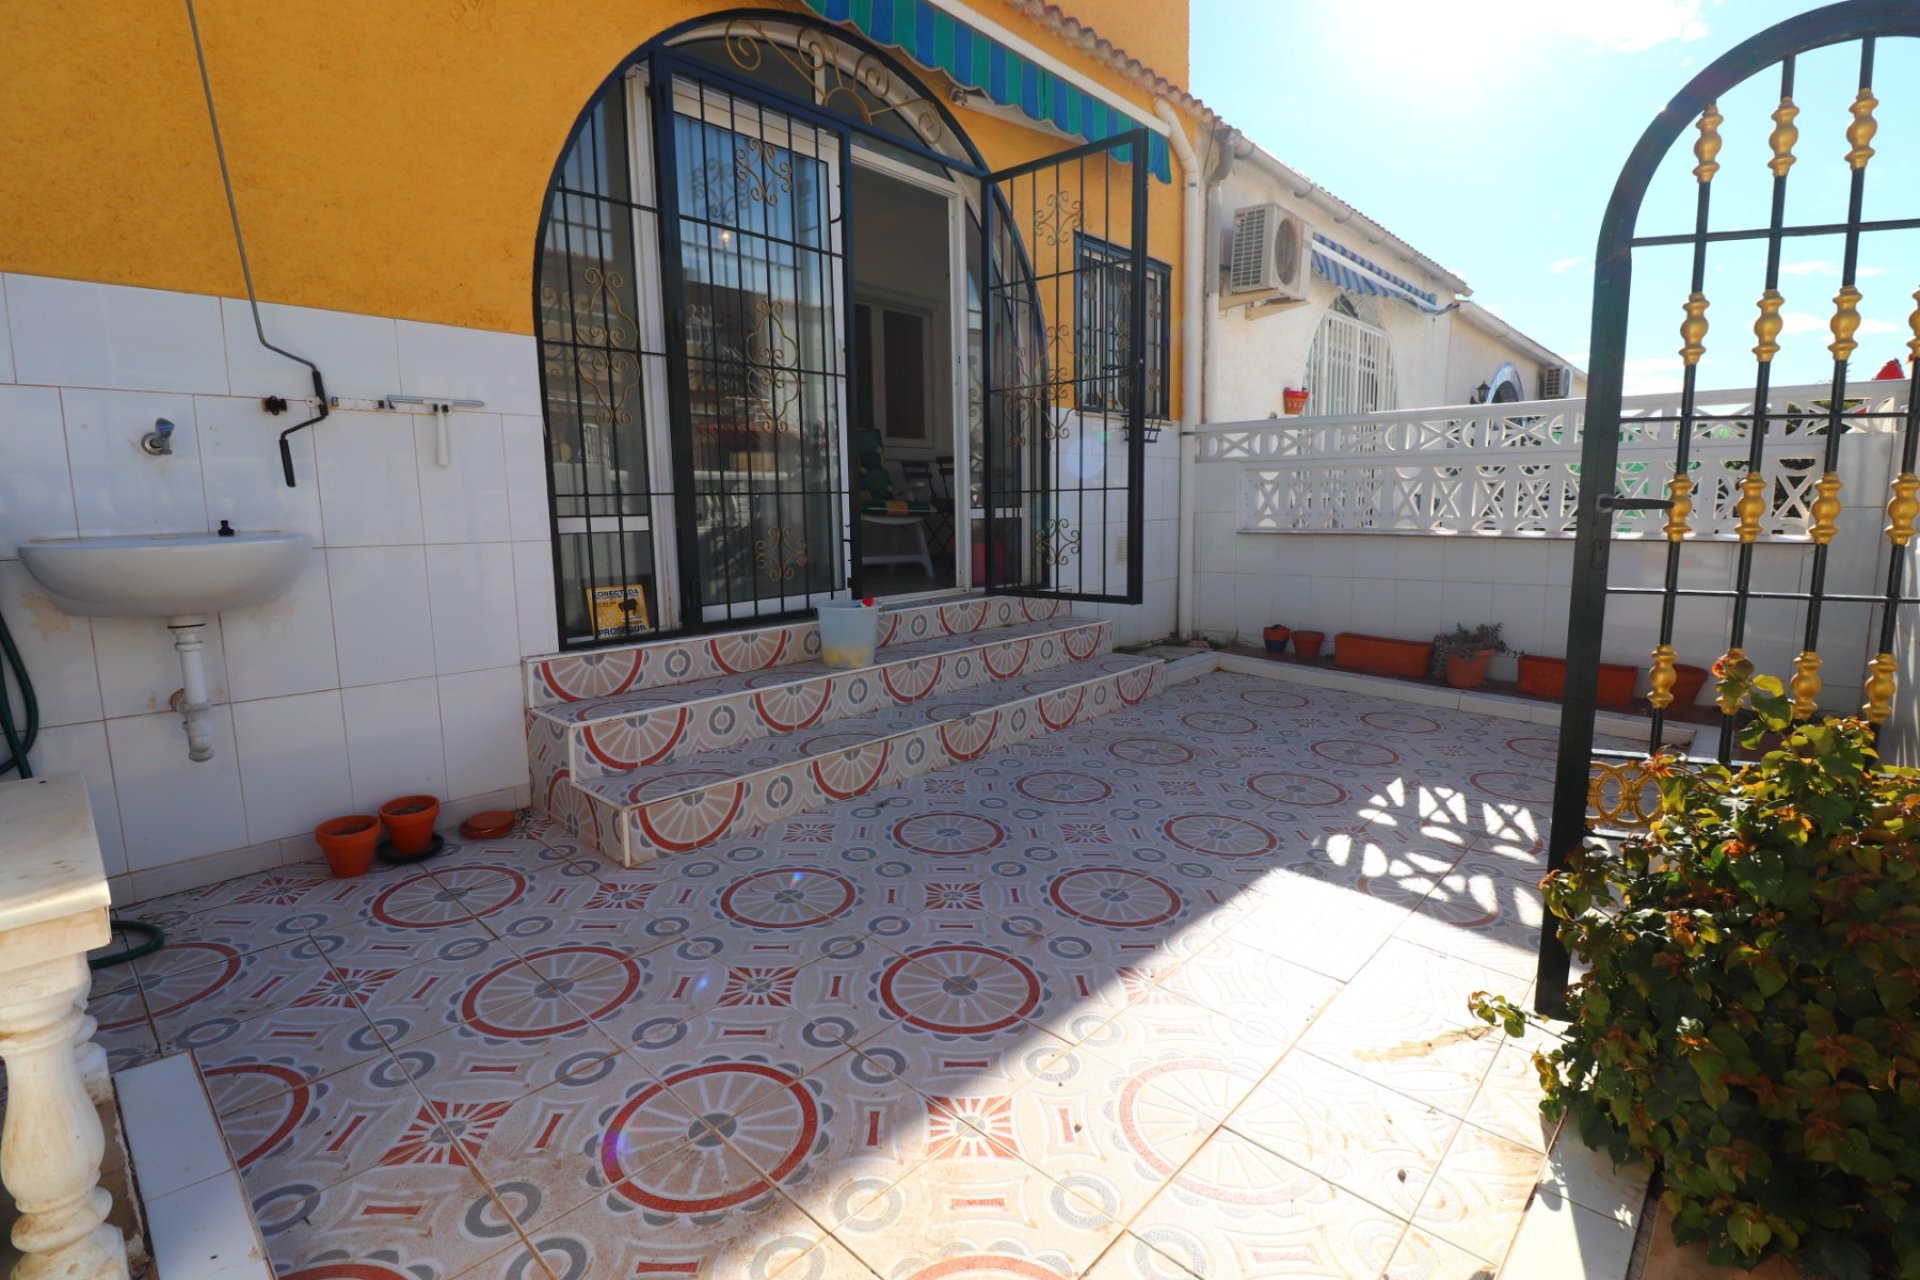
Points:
x=1556, y=382
x=1268, y=253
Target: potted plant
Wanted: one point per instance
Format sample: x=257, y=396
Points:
x=1687, y=684
x=1461, y=655
x=1275, y=637
x=409, y=823
x=1306, y=644
x=1747, y=1015
x=348, y=843
x=1295, y=400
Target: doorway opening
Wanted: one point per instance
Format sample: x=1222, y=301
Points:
x=905, y=448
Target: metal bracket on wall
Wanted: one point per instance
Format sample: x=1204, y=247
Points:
x=439, y=407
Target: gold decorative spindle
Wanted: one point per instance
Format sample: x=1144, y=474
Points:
x=1845, y=322
x=1707, y=146
x=1879, y=690
x=1729, y=661
x=1680, y=488
x=1767, y=327
x=1805, y=685
x=1913, y=323
x=1661, y=678
x=1750, y=507
x=1903, y=508
x=1825, y=509
x=1861, y=131
x=1693, y=330
x=1785, y=134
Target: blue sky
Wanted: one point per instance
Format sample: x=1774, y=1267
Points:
x=1488, y=134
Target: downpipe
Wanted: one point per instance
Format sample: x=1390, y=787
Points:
x=1192, y=358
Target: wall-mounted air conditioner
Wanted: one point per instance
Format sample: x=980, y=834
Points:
x=1267, y=255
x=1556, y=382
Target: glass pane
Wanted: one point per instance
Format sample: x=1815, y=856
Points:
x=906, y=356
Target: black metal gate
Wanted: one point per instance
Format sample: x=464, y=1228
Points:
x=1065, y=373
x=1599, y=792
x=757, y=284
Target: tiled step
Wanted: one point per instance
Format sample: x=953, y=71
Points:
x=683, y=805
x=613, y=735
x=578, y=677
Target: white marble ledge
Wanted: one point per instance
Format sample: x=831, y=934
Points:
x=53, y=884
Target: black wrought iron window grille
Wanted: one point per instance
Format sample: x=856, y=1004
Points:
x=1100, y=327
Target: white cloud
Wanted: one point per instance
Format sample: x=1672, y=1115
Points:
x=1629, y=26
x=1567, y=264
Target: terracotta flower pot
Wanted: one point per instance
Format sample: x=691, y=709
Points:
x=1382, y=655
x=410, y=822
x=348, y=843
x=1296, y=400
x=1468, y=670
x=1542, y=677
x=1687, y=685
x=1275, y=637
x=1307, y=643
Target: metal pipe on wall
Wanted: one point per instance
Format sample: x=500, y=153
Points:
x=1192, y=361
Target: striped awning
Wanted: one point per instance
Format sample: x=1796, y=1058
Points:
x=937, y=40
x=1343, y=267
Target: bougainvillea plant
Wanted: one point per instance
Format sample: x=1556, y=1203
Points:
x=1747, y=1018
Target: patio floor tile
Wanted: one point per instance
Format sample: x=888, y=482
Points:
x=1177, y=993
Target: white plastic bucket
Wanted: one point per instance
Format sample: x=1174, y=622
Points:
x=849, y=633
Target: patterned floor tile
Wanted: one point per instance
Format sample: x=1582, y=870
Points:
x=1197, y=969
x=1356, y=1134
x=1479, y=1193
x=1236, y=1209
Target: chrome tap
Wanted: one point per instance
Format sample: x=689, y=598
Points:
x=159, y=441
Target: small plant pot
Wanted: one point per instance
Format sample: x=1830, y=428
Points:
x=1468, y=670
x=348, y=843
x=1275, y=637
x=1295, y=400
x=1306, y=644
x=1687, y=684
x=410, y=822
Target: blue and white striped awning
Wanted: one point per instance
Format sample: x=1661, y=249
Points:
x=1343, y=267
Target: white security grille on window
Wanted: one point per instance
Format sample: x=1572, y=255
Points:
x=1350, y=366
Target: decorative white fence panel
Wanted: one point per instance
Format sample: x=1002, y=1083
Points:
x=1515, y=468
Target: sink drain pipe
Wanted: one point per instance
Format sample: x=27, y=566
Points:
x=246, y=270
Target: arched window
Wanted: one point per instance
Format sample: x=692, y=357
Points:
x=1350, y=365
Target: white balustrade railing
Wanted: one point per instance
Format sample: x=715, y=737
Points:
x=1515, y=468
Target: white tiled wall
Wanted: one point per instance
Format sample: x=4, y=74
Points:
x=391, y=665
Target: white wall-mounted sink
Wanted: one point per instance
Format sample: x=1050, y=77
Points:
x=181, y=577
x=165, y=575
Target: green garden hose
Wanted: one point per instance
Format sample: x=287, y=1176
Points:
x=19, y=739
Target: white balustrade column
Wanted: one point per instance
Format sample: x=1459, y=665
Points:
x=53, y=910
x=51, y=1145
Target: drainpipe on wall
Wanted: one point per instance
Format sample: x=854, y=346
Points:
x=1192, y=359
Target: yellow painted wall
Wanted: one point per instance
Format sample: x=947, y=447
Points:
x=390, y=157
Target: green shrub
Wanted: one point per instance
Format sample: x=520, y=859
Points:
x=1747, y=1020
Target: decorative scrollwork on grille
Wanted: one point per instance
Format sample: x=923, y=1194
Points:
x=597, y=316
x=1623, y=796
x=782, y=553
x=773, y=380
x=1057, y=218
x=764, y=170
x=1055, y=542
x=852, y=82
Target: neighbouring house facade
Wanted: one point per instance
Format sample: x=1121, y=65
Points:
x=659, y=320
x=1308, y=294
